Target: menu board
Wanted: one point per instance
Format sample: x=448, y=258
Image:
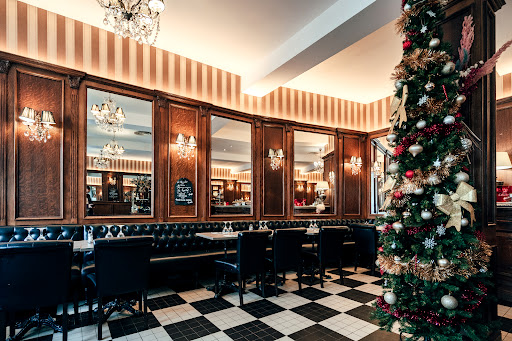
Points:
x=183, y=192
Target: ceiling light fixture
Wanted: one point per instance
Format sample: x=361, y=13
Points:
x=112, y=150
x=38, y=124
x=319, y=165
x=109, y=117
x=136, y=19
x=101, y=162
x=276, y=158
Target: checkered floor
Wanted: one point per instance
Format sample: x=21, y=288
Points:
x=335, y=312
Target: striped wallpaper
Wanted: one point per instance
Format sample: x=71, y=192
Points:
x=122, y=165
x=225, y=174
x=309, y=177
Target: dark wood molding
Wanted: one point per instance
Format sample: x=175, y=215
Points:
x=204, y=110
x=4, y=66
x=257, y=123
x=74, y=81
x=162, y=102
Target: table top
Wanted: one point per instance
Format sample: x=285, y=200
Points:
x=218, y=235
x=82, y=246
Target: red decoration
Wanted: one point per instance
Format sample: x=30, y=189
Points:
x=407, y=44
x=465, y=169
x=438, y=130
x=445, y=94
x=459, y=115
x=411, y=231
x=398, y=195
x=409, y=174
x=381, y=249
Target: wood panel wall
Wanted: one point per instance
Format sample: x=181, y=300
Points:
x=274, y=180
x=352, y=186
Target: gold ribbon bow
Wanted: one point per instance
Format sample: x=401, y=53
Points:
x=389, y=184
x=387, y=202
x=452, y=204
x=398, y=109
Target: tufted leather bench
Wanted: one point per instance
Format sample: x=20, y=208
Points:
x=53, y=232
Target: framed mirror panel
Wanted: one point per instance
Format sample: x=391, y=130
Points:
x=381, y=154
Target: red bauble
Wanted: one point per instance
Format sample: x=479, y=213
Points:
x=381, y=249
x=409, y=174
x=398, y=195
x=458, y=115
x=407, y=45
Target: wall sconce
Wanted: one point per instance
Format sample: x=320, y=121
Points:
x=356, y=163
x=186, y=146
x=38, y=124
x=112, y=180
x=230, y=186
x=377, y=169
x=276, y=158
x=300, y=188
x=308, y=189
x=332, y=177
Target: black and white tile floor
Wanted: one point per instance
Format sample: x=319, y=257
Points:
x=335, y=312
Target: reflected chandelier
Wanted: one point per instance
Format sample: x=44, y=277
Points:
x=136, y=19
x=101, y=162
x=109, y=117
x=319, y=165
x=112, y=150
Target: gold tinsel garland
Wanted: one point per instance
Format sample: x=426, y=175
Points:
x=476, y=258
x=415, y=11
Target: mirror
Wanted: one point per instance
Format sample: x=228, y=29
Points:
x=381, y=154
x=315, y=173
x=231, y=167
x=119, y=155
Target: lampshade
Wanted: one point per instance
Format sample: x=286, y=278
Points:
x=271, y=152
x=180, y=139
x=279, y=153
x=120, y=113
x=28, y=115
x=359, y=161
x=47, y=117
x=156, y=6
x=352, y=159
x=192, y=141
x=95, y=110
x=503, y=161
x=322, y=186
x=105, y=109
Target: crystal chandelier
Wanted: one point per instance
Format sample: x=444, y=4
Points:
x=109, y=117
x=112, y=150
x=38, y=124
x=101, y=162
x=377, y=169
x=319, y=165
x=136, y=19
x=276, y=158
x=186, y=146
x=356, y=163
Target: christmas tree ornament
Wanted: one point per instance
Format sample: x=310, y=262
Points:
x=393, y=168
x=391, y=138
x=415, y=149
x=377, y=263
x=464, y=222
x=393, y=246
x=449, y=159
x=443, y=262
x=399, y=84
x=390, y=298
x=437, y=163
x=449, y=119
x=466, y=143
x=397, y=259
x=431, y=14
x=433, y=179
x=409, y=174
x=449, y=302
x=407, y=7
x=407, y=44
x=461, y=177
x=406, y=214
x=440, y=230
x=429, y=243
x=419, y=191
x=460, y=99
x=398, y=195
x=435, y=42
x=421, y=124
x=423, y=99
x=426, y=215
x=448, y=68
x=398, y=226
x=429, y=86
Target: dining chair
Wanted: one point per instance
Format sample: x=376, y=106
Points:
x=365, y=238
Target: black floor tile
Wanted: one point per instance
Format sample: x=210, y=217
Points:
x=315, y=312
x=252, y=331
x=345, y=272
x=379, y=282
x=506, y=324
x=318, y=333
x=130, y=325
x=181, y=286
x=381, y=335
x=211, y=305
x=363, y=313
x=376, y=274
x=308, y=280
x=358, y=296
x=270, y=291
x=42, y=338
x=349, y=282
x=312, y=294
x=191, y=329
x=260, y=309
x=165, y=302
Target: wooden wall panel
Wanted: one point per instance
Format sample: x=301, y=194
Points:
x=4, y=68
x=351, y=186
x=183, y=119
x=38, y=180
x=273, y=180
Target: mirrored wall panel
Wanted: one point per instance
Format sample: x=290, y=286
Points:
x=381, y=154
x=315, y=173
x=231, y=167
x=119, y=155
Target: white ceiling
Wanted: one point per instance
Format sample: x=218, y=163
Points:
x=341, y=48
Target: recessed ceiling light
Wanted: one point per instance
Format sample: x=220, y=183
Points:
x=142, y=133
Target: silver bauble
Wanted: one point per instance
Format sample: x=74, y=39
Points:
x=398, y=226
x=460, y=99
x=449, y=119
x=443, y=262
x=393, y=246
x=449, y=159
x=393, y=168
x=419, y=191
x=399, y=84
x=434, y=43
x=390, y=298
x=426, y=215
x=415, y=149
x=461, y=177
x=464, y=222
x=429, y=86
x=397, y=259
x=433, y=179
x=391, y=138
x=466, y=143
x=377, y=263
x=406, y=214
x=421, y=124
x=449, y=302
x=448, y=68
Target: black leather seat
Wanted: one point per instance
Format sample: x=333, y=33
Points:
x=121, y=267
x=365, y=238
x=49, y=275
x=249, y=260
x=287, y=252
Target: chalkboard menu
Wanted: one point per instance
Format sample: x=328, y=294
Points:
x=183, y=192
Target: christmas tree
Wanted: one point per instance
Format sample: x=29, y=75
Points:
x=434, y=261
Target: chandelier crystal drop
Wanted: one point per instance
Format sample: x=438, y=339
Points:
x=101, y=162
x=109, y=117
x=136, y=19
x=112, y=150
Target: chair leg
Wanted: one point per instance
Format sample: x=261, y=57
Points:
x=299, y=277
x=100, y=318
x=341, y=272
x=356, y=262
x=263, y=285
x=275, y=281
x=12, y=324
x=374, y=258
x=65, y=321
x=240, y=291
x=75, y=305
x=3, y=324
x=257, y=280
x=216, y=282
x=89, y=301
x=321, y=275
x=145, y=301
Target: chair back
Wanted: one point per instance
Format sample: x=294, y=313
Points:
x=287, y=247
x=251, y=249
x=365, y=237
x=34, y=274
x=330, y=243
x=122, y=264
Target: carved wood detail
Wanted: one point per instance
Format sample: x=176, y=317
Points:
x=4, y=66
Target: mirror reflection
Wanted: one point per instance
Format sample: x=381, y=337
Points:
x=381, y=154
x=231, y=167
x=119, y=155
x=314, y=173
